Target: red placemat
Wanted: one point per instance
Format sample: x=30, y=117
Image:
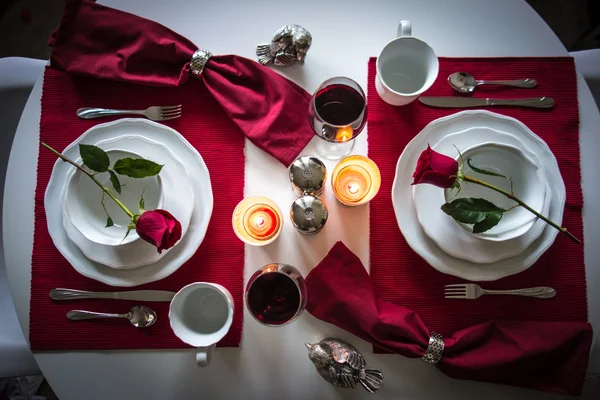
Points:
x=219, y=259
x=404, y=278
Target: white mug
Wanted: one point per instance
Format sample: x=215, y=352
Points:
x=406, y=67
x=200, y=315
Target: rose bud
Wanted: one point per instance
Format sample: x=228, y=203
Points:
x=159, y=228
x=436, y=169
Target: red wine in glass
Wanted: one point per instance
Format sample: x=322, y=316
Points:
x=276, y=294
x=339, y=104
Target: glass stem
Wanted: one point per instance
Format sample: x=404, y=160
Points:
x=524, y=205
x=104, y=188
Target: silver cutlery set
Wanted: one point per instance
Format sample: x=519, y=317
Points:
x=139, y=316
x=143, y=317
x=464, y=82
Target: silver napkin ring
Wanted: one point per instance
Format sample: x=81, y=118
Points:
x=435, y=349
x=199, y=60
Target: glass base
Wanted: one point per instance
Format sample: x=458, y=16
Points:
x=333, y=151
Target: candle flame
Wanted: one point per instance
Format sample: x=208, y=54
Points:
x=344, y=134
x=259, y=221
x=353, y=187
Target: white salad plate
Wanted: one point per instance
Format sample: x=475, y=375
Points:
x=495, y=128
x=177, y=198
x=458, y=242
x=199, y=181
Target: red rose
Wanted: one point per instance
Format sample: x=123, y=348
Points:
x=160, y=228
x=436, y=169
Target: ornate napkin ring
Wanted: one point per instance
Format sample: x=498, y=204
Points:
x=435, y=349
x=199, y=60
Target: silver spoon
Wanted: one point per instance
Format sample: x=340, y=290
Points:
x=139, y=316
x=464, y=82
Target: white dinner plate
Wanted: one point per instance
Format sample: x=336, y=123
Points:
x=177, y=198
x=448, y=234
x=407, y=217
x=199, y=182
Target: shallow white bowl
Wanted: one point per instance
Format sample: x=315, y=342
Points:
x=529, y=184
x=84, y=208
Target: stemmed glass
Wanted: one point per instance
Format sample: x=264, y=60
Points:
x=337, y=114
x=276, y=294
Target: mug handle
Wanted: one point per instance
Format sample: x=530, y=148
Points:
x=404, y=29
x=204, y=355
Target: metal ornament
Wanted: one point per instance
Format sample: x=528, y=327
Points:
x=309, y=214
x=308, y=176
x=199, y=60
x=434, y=351
x=341, y=364
x=288, y=47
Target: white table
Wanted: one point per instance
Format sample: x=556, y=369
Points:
x=272, y=363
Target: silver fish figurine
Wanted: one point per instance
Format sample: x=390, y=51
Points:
x=288, y=47
x=341, y=364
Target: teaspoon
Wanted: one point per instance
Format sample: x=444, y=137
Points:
x=464, y=82
x=139, y=316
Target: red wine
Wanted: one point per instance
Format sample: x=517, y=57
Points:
x=339, y=104
x=273, y=298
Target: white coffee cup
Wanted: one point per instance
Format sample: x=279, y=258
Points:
x=406, y=67
x=201, y=314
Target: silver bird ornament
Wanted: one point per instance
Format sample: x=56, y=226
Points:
x=341, y=364
x=288, y=47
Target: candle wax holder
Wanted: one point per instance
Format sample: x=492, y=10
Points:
x=355, y=180
x=257, y=221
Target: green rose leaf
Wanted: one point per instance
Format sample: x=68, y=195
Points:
x=114, y=179
x=480, y=212
x=94, y=157
x=483, y=171
x=109, y=222
x=489, y=222
x=136, y=167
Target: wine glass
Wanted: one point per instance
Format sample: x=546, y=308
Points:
x=276, y=294
x=337, y=114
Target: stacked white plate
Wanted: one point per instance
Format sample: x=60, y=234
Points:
x=493, y=142
x=76, y=218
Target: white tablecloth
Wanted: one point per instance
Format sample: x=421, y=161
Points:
x=272, y=362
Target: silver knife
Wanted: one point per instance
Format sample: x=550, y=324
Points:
x=461, y=102
x=137, y=295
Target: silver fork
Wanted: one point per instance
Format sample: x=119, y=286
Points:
x=154, y=113
x=472, y=291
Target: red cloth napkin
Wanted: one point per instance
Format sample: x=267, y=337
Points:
x=219, y=259
x=99, y=41
x=403, y=277
x=549, y=356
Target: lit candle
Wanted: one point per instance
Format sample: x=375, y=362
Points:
x=257, y=221
x=355, y=180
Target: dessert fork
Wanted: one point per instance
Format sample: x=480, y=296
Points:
x=154, y=113
x=472, y=291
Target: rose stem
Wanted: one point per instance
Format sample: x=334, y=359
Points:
x=104, y=189
x=524, y=205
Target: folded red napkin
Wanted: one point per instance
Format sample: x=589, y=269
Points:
x=99, y=41
x=549, y=356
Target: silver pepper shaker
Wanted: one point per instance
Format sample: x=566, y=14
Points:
x=308, y=176
x=309, y=214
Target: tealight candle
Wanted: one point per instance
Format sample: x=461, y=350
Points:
x=355, y=180
x=257, y=221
